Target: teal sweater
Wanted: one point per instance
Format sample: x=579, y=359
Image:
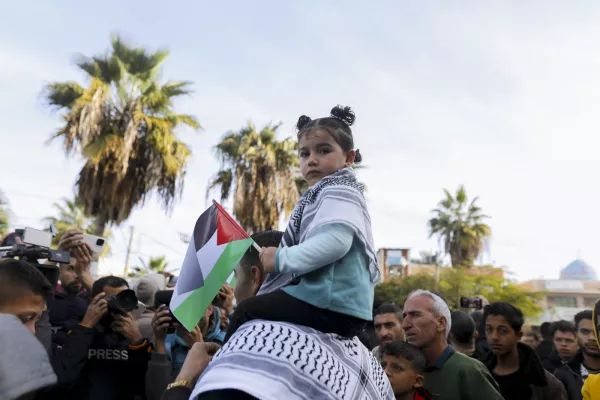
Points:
x=461, y=378
x=334, y=269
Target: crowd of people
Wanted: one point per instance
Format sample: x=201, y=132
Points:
x=301, y=322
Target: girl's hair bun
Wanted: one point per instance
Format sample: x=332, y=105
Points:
x=302, y=121
x=357, y=157
x=344, y=114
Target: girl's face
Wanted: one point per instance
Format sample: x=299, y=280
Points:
x=320, y=155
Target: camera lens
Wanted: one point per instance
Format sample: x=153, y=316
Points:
x=126, y=300
x=100, y=242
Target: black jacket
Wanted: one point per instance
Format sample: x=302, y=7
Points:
x=570, y=376
x=481, y=347
x=64, y=308
x=93, y=365
x=552, y=362
x=543, y=385
x=544, y=349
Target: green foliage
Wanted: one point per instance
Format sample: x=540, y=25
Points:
x=123, y=122
x=459, y=225
x=259, y=172
x=457, y=282
x=155, y=264
x=4, y=215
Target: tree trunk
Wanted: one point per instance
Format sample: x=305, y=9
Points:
x=101, y=221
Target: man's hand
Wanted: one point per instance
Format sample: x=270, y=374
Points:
x=267, y=258
x=71, y=238
x=226, y=295
x=126, y=325
x=95, y=311
x=83, y=254
x=195, y=336
x=196, y=361
x=160, y=322
x=224, y=320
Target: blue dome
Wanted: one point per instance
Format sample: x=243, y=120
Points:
x=579, y=270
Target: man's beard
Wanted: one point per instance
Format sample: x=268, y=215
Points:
x=590, y=354
x=73, y=287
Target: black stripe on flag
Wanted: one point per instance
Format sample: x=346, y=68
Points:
x=205, y=227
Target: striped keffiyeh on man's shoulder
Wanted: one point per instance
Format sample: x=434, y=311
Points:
x=337, y=198
x=275, y=361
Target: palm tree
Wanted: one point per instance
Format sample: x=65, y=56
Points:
x=459, y=224
x=4, y=215
x=123, y=124
x=154, y=264
x=260, y=172
x=71, y=215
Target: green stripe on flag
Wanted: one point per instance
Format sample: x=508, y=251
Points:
x=192, y=309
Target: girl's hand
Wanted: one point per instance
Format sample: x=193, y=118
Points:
x=267, y=258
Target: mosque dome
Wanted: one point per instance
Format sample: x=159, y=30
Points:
x=579, y=270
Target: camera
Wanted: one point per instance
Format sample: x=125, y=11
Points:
x=164, y=297
x=36, y=246
x=124, y=302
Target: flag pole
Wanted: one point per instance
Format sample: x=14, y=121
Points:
x=256, y=246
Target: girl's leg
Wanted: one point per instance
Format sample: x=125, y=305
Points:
x=280, y=306
x=225, y=394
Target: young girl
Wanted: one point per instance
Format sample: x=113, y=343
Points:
x=328, y=243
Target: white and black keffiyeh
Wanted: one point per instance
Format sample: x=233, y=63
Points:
x=337, y=198
x=276, y=360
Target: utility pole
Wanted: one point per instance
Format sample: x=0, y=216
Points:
x=126, y=269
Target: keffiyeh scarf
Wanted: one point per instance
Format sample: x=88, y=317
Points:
x=275, y=361
x=337, y=198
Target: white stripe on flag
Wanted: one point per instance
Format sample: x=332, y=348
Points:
x=209, y=254
x=230, y=278
x=178, y=298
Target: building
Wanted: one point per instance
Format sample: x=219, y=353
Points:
x=577, y=289
x=394, y=264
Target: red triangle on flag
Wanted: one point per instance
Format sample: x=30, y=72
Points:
x=227, y=229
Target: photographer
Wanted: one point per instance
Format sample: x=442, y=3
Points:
x=104, y=357
x=70, y=299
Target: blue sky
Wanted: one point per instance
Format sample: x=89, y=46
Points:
x=502, y=96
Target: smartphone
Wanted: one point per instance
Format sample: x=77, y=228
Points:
x=172, y=281
x=164, y=297
x=471, y=302
x=95, y=242
x=37, y=237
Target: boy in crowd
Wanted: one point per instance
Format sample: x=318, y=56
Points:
x=564, y=336
x=404, y=366
x=531, y=339
x=514, y=365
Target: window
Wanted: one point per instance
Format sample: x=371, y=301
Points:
x=562, y=301
x=395, y=272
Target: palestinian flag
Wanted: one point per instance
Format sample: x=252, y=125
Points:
x=217, y=245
